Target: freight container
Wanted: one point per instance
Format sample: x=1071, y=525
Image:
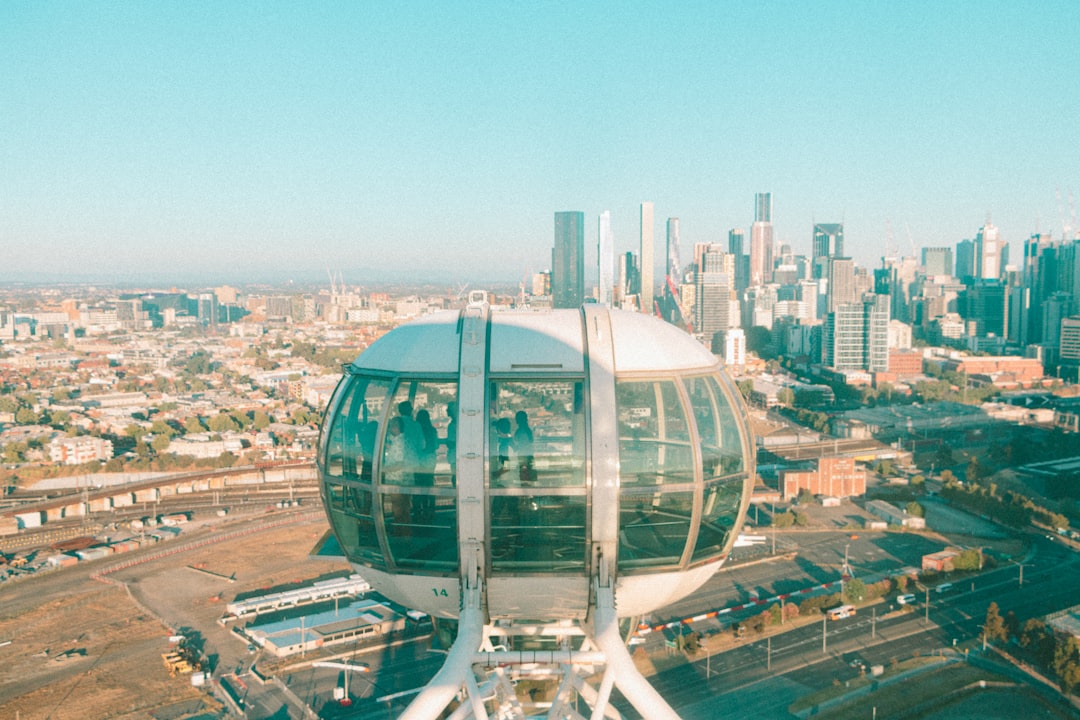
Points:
x=29, y=520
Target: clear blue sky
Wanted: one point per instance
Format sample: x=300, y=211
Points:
x=264, y=139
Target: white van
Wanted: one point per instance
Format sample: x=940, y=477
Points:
x=905, y=599
x=943, y=587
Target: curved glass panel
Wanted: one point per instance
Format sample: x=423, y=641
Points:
x=420, y=430
x=656, y=473
x=350, y=443
x=352, y=518
x=417, y=475
x=722, y=456
x=731, y=437
x=654, y=440
x=723, y=497
x=653, y=527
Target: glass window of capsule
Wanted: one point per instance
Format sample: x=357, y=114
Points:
x=389, y=465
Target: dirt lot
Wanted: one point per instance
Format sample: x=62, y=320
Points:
x=85, y=649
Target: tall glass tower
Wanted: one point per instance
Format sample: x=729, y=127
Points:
x=648, y=283
x=568, y=260
x=605, y=255
x=761, y=240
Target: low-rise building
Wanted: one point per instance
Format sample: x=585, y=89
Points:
x=834, y=477
x=894, y=515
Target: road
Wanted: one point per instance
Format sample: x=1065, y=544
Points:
x=749, y=679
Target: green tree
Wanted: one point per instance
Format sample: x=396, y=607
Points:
x=60, y=419
x=994, y=626
x=785, y=396
x=194, y=425
x=15, y=452
x=8, y=404
x=1067, y=663
x=854, y=591
x=160, y=443
x=918, y=482
x=198, y=364
x=745, y=388
x=970, y=559
x=783, y=520
x=135, y=431
x=260, y=420
x=160, y=427
x=914, y=509
x=222, y=422
x=26, y=416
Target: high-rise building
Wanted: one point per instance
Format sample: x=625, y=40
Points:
x=605, y=257
x=761, y=240
x=568, y=260
x=856, y=335
x=937, y=261
x=965, y=260
x=736, y=246
x=672, y=303
x=712, y=313
x=648, y=283
x=842, y=288
x=828, y=242
x=988, y=247
x=986, y=308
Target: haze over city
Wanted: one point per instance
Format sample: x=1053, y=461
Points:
x=243, y=142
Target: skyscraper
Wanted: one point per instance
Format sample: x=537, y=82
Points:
x=761, y=240
x=842, y=287
x=672, y=304
x=988, y=253
x=648, y=283
x=605, y=256
x=736, y=243
x=568, y=260
x=937, y=261
x=712, y=312
x=965, y=260
x=828, y=242
x=856, y=335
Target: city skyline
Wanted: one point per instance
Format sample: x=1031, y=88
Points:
x=236, y=143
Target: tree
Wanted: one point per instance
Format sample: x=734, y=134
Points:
x=15, y=452
x=994, y=626
x=194, y=425
x=968, y=560
x=854, y=591
x=785, y=396
x=914, y=509
x=8, y=404
x=160, y=427
x=26, y=416
x=59, y=419
x=160, y=443
x=135, y=431
x=222, y=422
x=260, y=420
x=783, y=520
x=745, y=387
x=1067, y=663
x=918, y=482
x=198, y=363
